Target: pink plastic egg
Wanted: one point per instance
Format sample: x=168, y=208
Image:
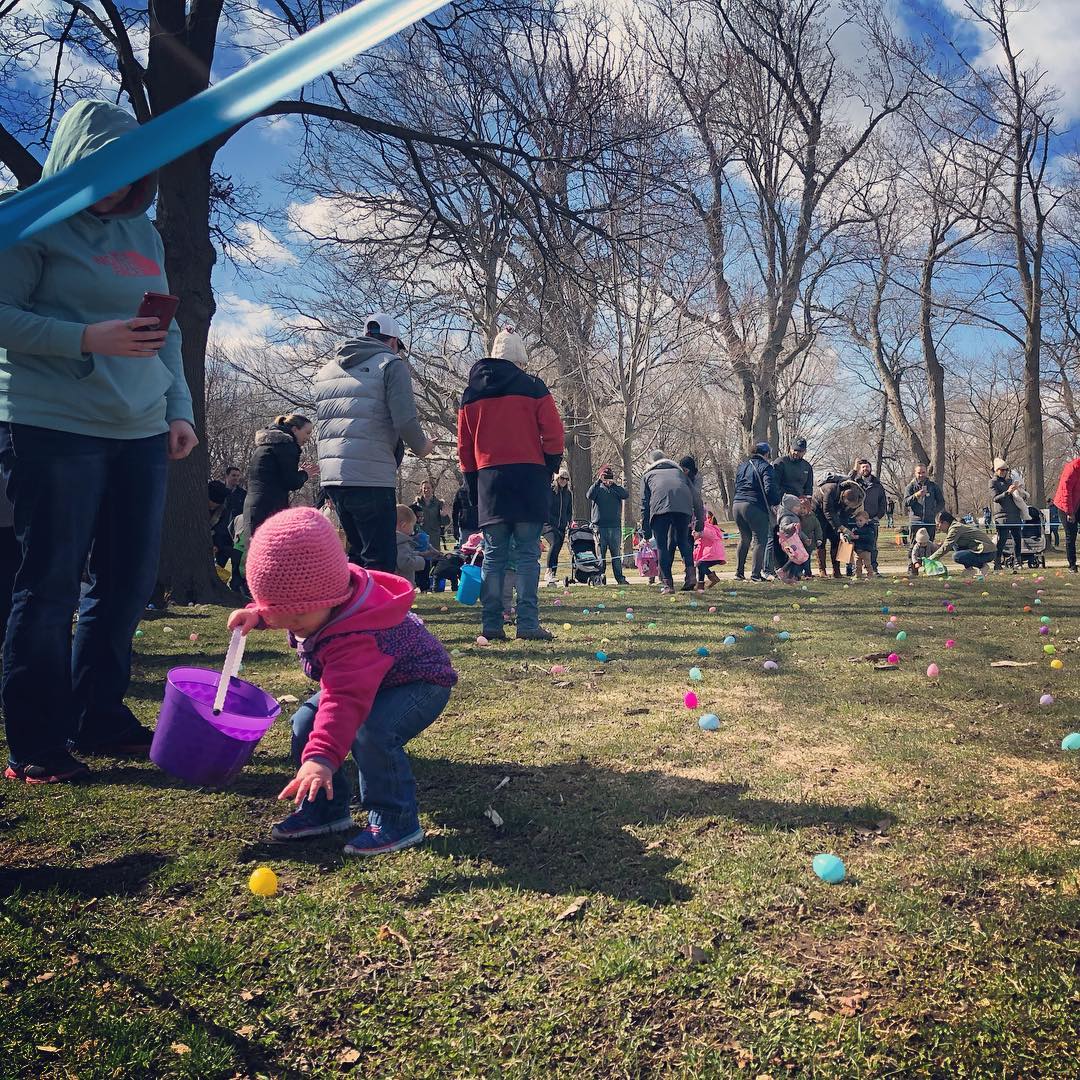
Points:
x=690, y=700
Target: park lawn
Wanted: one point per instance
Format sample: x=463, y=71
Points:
x=647, y=907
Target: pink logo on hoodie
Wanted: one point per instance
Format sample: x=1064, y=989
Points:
x=129, y=264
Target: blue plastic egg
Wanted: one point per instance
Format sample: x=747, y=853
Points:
x=695, y=674
x=748, y=629
x=730, y=639
x=601, y=656
x=702, y=651
x=1071, y=742
x=709, y=722
x=629, y=616
x=829, y=868
x=783, y=636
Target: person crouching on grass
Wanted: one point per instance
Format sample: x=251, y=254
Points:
x=383, y=678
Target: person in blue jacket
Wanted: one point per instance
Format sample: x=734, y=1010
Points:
x=756, y=493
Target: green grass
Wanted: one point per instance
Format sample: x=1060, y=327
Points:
x=131, y=946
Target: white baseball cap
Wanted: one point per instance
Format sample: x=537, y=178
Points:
x=387, y=324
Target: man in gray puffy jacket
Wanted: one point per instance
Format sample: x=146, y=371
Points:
x=366, y=416
x=669, y=504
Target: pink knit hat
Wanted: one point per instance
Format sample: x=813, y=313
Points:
x=296, y=563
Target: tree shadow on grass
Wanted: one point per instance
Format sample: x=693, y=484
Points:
x=570, y=827
x=122, y=876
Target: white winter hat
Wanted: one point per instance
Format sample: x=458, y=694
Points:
x=1000, y=463
x=509, y=345
x=922, y=537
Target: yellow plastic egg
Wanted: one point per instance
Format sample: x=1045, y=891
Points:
x=263, y=881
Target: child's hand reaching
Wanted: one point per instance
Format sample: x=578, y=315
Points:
x=244, y=620
x=310, y=777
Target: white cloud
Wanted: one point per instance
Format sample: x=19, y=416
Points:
x=240, y=322
x=263, y=247
x=1047, y=33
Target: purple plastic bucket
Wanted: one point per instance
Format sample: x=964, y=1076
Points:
x=191, y=743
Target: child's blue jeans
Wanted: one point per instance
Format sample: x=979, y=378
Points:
x=387, y=787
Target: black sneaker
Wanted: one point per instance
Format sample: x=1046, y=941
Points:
x=53, y=769
x=538, y=634
x=133, y=741
x=494, y=635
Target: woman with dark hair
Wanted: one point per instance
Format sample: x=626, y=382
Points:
x=1007, y=515
x=93, y=405
x=560, y=512
x=756, y=493
x=275, y=471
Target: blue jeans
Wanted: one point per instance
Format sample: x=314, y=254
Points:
x=611, y=541
x=77, y=496
x=524, y=536
x=387, y=787
x=972, y=560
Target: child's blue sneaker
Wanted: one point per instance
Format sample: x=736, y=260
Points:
x=319, y=818
x=376, y=840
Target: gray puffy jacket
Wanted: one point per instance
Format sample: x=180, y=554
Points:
x=666, y=489
x=365, y=407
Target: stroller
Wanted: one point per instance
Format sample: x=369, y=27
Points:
x=585, y=564
x=1032, y=551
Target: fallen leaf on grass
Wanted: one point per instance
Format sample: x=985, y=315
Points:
x=695, y=954
x=386, y=931
x=573, y=910
x=743, y=1057
x=494, y=817
x=349, y=1057
x=246, y=1031
x=45, y=976
x=853, y=1004
x=1012, y=663
x=288, y=699
x=180, y=1048
x=49, y=1049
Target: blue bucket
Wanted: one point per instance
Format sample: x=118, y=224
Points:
x=468, y=590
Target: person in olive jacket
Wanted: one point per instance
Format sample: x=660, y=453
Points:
x=275, y=471
x=607, y=498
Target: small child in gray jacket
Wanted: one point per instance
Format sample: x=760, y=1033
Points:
x=409, y=560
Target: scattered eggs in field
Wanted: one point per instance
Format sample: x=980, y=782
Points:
x=1046, y=699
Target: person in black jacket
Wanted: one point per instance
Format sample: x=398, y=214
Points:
x=794, y=474
x=756, y=493
x=275, y=471
x=559, y=515
x=1007, y=515
x=836, y=502
x=463, y=514
x=874, y=504
x=234, y=508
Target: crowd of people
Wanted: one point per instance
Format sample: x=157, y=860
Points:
x=94, y=403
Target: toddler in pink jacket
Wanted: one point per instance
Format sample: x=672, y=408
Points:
x=383, y=678
x=709, y=552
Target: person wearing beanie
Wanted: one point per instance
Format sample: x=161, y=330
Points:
x=756, y=493
x=560, y=514
x=366, y=416
x=794, y=474
x=383, y=678
x=921, y=548
x=1008, y=516
x=607, y=499
x=510, y=444
x=669, y=505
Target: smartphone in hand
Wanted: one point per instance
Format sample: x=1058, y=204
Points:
x=160, y=306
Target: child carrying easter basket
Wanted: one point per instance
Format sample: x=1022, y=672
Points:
x=383, y=678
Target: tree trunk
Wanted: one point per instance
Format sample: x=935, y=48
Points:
x=1033, y=423
x=879, y=449
x=186, y=569
x=935, y=373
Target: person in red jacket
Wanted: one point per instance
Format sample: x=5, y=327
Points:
x=1067, y=500
x=510, y=444
x=383, y=678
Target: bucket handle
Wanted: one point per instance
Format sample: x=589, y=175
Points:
x=229, y=669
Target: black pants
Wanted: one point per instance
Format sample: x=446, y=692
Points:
x=10, y=557
x=672, y=533
x=368, y=516
x=1004, y=534
x=1070, y=542
x=555, y=539
x=754, y=524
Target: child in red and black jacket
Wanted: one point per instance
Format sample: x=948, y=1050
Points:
x=383, y=678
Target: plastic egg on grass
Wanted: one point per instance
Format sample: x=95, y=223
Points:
x=693, y=603
x=481, y=640
x=933, y=671
x=690, y=699
x=748, y=629
x=1036, y=601
x=263, y=881
x=1044, y=630
x=1044, y=619
x=709, y=722
x=601, y=656
x=1049, y=650
x=783, y=636
x=829, y=868
x=600, y=607
x=902, y=636
x=776, y=618
x=558, y=603
x=695, y=674
x=584, y=611
x=950, y=644
x=884, y=611
x=1057, y=665
x=193, y=637
x=455, y=652
x=702, y=651
x=652, y=626
x=730, y=639
x=771, y=665
x=1046, y=699
x=558, y=669
x=138, y=633
x=794, y=607
x=950, y=608
x=893, y=658
x=166, y=630
x=1071, y=741
x=1027, y=609
x=712, y=611
x=629, y=616
x=567, y=626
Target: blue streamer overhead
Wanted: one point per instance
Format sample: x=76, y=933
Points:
x=205, y=116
